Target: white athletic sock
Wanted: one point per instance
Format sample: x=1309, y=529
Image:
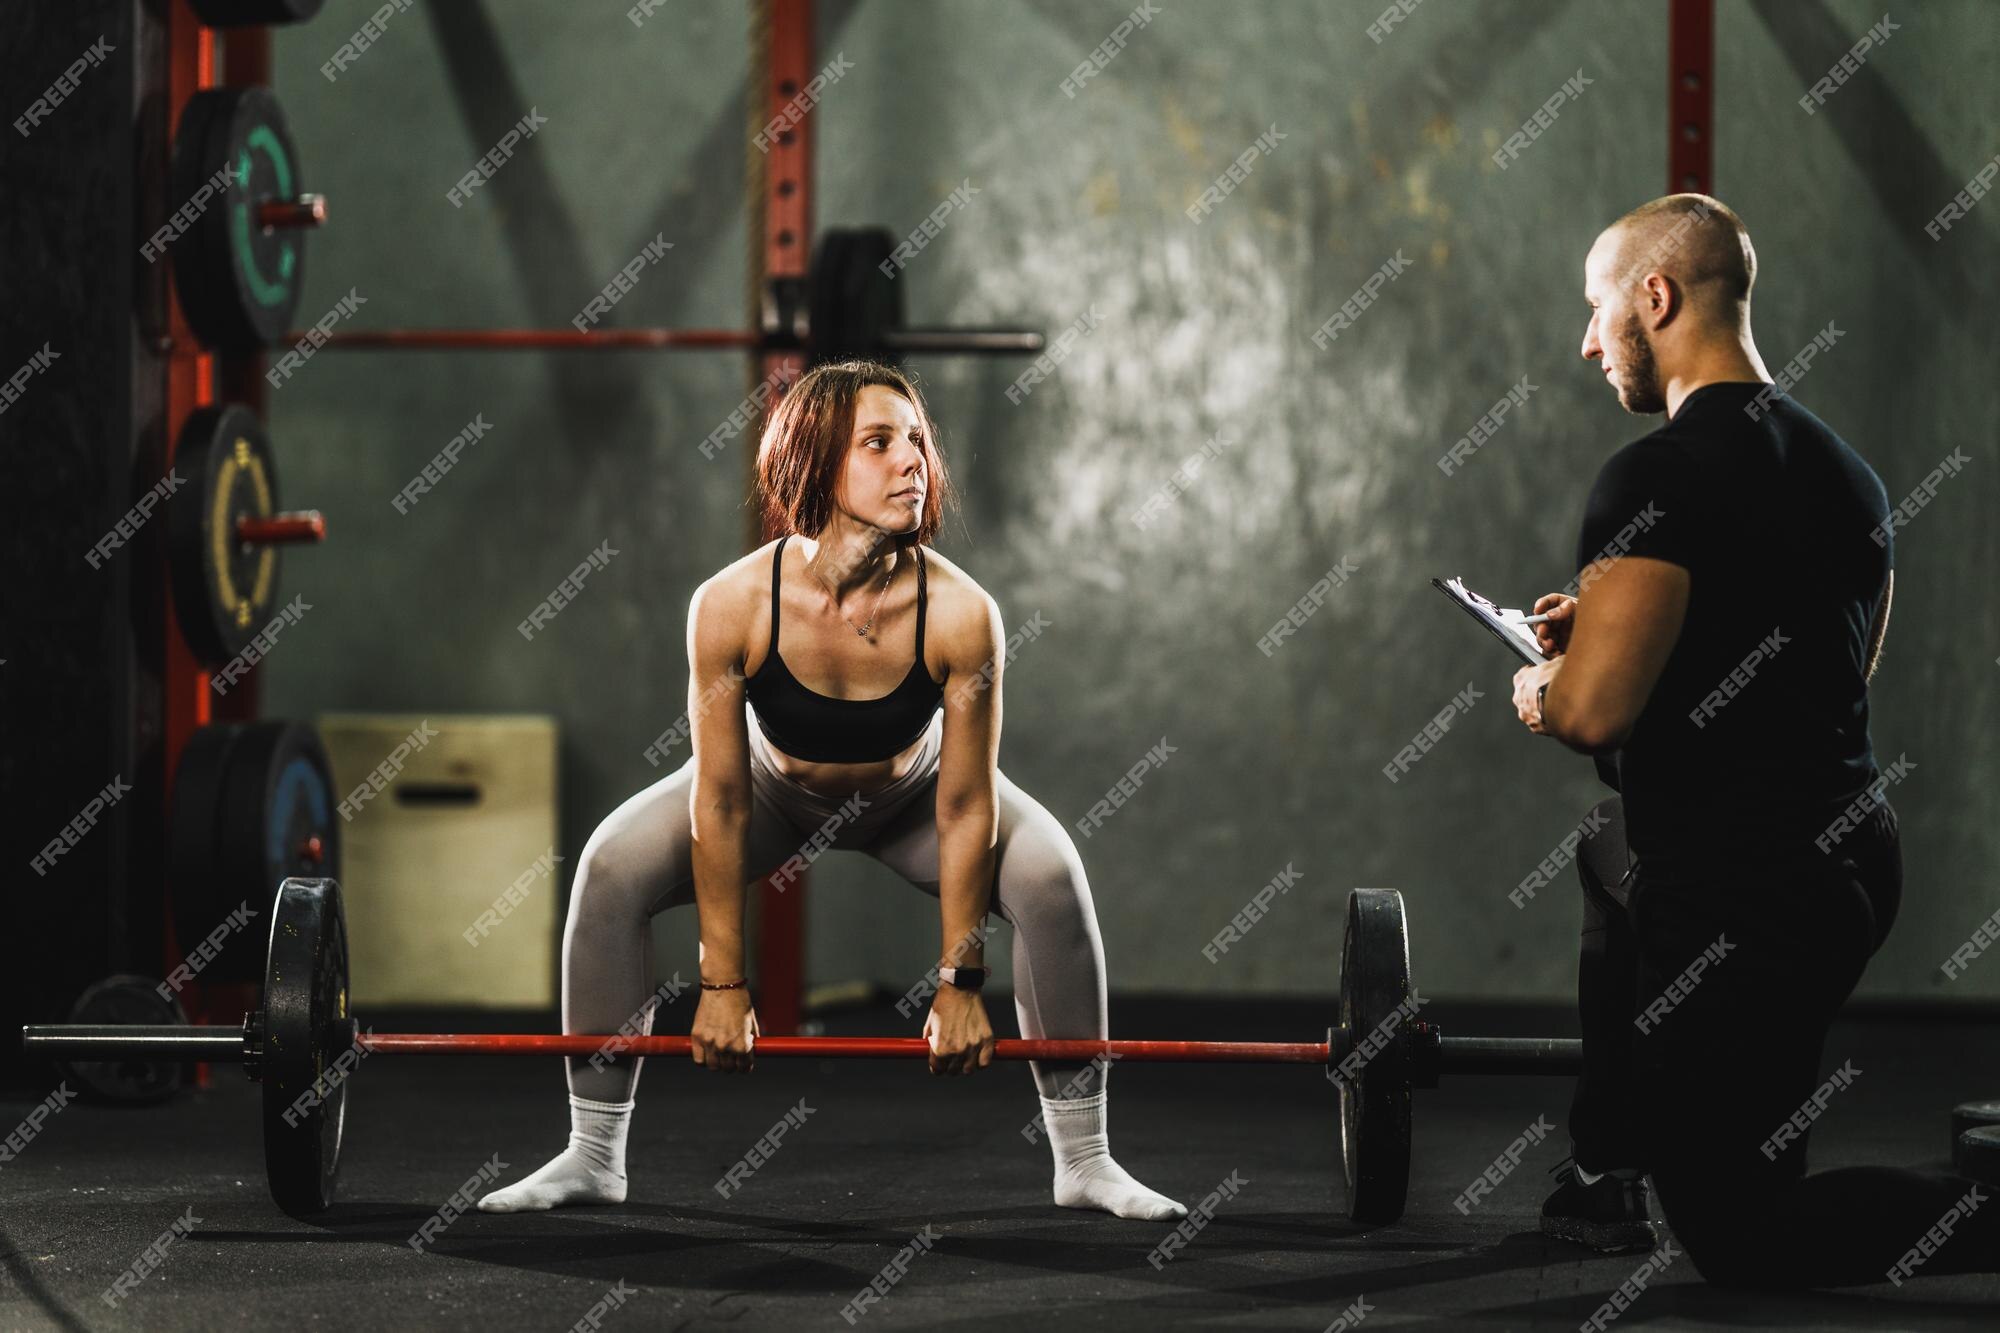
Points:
x=1086, y=1177
x=590, y=1170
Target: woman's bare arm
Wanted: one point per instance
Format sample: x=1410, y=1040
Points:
x=968, y=811
x=719, y=811
x=968, y=825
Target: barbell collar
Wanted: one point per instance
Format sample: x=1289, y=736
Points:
x=1424, y=1057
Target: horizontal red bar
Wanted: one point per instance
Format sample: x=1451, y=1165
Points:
x=1191, y=1052
x=483, y=340
x=307, y=525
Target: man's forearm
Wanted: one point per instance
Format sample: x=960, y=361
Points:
x=1560, y=719
x=966, y=860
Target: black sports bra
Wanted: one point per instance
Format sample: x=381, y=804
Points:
x=821, y=729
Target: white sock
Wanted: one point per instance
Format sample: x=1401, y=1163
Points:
x=1086, y=1177
x=590, y=1170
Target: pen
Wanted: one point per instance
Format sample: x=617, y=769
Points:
x=1529, y=620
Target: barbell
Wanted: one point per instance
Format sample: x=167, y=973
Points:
x=302, y=1046
x=851, y=306
x=238, y=244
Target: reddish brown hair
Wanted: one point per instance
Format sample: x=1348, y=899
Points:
x=805, y=443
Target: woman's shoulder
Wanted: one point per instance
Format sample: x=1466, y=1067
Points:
x=745, y=575
x=947, y=579
x=958, y=605
x=732, y=595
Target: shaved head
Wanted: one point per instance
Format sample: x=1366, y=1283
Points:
x=1696, y=242
x=1669, y=291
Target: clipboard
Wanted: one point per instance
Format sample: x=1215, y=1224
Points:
x=1504, y=622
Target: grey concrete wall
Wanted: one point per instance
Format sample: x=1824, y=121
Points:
x=1202, y=331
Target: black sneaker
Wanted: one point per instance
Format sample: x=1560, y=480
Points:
x=1609, y=1215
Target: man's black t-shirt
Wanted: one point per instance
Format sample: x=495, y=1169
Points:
x=1756, y=735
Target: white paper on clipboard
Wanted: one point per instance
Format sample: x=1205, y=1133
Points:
x=1503, y=621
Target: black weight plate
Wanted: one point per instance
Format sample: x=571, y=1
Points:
x=827, y=302
x=275, y=820
x=1976, y=1154
x=193, y=868
x=224, y=590
x=241, y=13
x=238, y=281
x=1375, y=1103
x=305, y=1022
x=853, y=302
x=123, y=999
x=1973, y=1115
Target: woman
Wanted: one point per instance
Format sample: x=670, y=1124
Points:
x=845, y=678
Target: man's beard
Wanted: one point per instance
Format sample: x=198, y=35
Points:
x=1639, y=389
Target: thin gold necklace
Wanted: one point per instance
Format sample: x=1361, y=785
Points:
x=863, y=628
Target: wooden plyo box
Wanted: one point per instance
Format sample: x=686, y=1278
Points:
x=449, y=865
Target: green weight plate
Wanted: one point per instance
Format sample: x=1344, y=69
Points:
x=238, y=281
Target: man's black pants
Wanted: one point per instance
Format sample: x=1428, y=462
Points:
x=1705, y=1001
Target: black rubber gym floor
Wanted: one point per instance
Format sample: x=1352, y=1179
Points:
x=886, y=1152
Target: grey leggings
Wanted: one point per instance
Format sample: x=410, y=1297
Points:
x=639, y=861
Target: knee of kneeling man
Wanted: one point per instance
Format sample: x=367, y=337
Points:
x=1712, y=1232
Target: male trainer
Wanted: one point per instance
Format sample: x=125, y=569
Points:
x=1732, y=601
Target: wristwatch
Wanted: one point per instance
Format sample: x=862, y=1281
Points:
x=1542, y=702
x=964, y=978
